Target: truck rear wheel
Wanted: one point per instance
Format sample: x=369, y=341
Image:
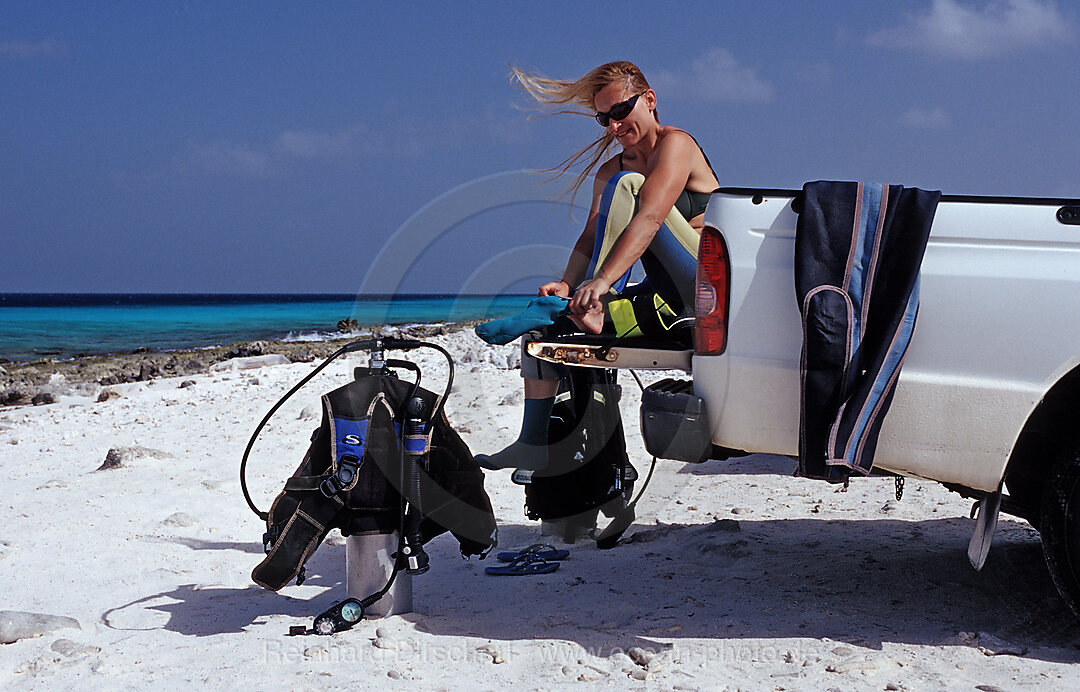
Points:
x=1059, y=525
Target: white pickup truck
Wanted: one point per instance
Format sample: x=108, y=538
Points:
x=988, y=400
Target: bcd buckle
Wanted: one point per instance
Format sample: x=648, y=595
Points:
x=270, y=538
x=342, y=478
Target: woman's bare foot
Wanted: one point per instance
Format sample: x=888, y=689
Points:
x=591, y=322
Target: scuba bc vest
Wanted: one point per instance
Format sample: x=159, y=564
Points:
x=383, y=459
x=588, y=470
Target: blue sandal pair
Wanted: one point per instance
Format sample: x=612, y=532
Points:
x=540, y=558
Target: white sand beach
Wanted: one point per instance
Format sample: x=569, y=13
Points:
x=734, y=576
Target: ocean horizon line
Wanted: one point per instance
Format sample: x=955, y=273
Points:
x=250, y=293
x=44, y=298
x=34, y=325
x=398, y=294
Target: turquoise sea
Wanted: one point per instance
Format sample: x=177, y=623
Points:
x=36, y=325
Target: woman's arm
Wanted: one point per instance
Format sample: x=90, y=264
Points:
x=657, y=196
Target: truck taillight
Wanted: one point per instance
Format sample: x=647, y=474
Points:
x=713, y=282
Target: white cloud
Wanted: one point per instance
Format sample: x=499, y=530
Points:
x=47, y=48
x=279, y=153
x=715, y=76
x=314, y=144
x=230, y=159
x=949, y=28
x=925, y=119
x=400, y=139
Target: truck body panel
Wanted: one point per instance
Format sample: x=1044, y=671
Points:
x=998, y=324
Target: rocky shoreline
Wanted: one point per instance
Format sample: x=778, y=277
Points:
x=42, y=381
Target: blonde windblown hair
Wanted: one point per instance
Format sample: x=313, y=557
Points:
x=581, y=92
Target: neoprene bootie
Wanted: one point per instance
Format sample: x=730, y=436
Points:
x=530, y=450
x=541, y=312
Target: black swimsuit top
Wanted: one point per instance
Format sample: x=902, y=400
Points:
x=689, y=203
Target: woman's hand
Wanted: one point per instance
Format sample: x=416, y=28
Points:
x=588, y=296
x=555, y=288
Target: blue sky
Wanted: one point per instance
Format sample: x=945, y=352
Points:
x=279, y=147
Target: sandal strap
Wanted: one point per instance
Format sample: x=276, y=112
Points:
x=527, y=559
x=537, y=548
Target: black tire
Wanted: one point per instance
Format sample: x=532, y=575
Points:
x=1059, y=525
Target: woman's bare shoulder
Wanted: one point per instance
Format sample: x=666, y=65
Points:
x=679, y=144
x=676, y=138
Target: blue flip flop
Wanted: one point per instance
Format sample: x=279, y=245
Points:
x=544, y=551
x=524, y=565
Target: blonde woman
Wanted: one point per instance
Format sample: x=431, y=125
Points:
x=648, y=204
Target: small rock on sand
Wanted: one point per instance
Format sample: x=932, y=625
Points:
x=851, y=664
x=14, y=396
x=42, y=398
x=118, y=457
x=496, y=656
x=179, y=519
x=16, y=625
x=640, y=656
x=248, y=362
x=66, y=647
x=993, y=646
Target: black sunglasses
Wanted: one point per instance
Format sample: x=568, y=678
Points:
x=618, y=112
